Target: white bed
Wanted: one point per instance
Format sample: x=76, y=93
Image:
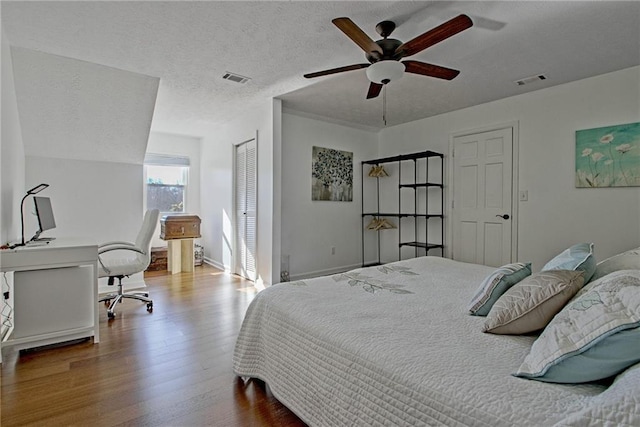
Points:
x=395, y=345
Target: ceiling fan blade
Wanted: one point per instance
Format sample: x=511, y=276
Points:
x=374, y=90
x=336, y=70
x=417, y=67
x=435, y=35
x=354, y=32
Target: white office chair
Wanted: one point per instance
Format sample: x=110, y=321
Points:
x=137, y=261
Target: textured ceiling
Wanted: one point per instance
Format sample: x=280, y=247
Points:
x=190, y=45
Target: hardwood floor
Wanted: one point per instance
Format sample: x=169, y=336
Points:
x=172, y=367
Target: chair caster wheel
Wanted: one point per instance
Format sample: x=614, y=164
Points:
x=149, y=307
x=111, y=315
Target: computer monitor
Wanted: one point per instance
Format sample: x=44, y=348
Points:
x=46, y=221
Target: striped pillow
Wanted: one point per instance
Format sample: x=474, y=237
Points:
x=495, y=285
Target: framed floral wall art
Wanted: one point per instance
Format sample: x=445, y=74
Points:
x=331, y=175
x=608, y=156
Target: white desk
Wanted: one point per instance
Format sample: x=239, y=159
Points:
x=63, y=306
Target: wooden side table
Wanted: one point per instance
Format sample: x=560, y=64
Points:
x=180, y=255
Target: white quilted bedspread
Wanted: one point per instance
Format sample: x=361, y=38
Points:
x=394, y=345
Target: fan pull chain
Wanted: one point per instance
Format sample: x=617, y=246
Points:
x=384, y=104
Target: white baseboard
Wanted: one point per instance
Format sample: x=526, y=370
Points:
x=216, y=264
x=326, y=272
x=301, y=276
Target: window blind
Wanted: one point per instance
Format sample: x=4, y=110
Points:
x=165, y=160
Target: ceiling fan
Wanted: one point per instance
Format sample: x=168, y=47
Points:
x=385, y=54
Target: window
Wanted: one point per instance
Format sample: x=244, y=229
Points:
x=166, y=182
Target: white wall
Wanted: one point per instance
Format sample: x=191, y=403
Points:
x=85, y=128
x=217, y=187
x=89, y=199
x=73, y=109
x=183, y=146
x=557, y=214
x=311, y=228
x=12, y=186
x=99, y=200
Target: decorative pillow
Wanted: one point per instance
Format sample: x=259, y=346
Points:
x=531, y=304
x=496, y=284
x=577, y=257
x=595, y=336
x=629, y=260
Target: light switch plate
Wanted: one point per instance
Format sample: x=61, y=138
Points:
x=524, y=195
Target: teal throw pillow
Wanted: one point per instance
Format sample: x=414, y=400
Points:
x=496, y=284
x=578, y=257
x=608, y=357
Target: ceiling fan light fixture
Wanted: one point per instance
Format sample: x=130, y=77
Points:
x=386, y=71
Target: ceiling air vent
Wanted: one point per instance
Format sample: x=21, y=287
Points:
x=531, y=79
x=237, y=78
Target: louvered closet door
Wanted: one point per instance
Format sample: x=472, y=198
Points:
x=245, y=199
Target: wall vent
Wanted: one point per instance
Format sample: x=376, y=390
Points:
x=237, y=78
x=531, y=79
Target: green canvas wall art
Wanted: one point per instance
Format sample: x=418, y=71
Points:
x=608, y=156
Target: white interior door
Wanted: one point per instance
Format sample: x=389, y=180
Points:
x=482, y=197
x=246, y=202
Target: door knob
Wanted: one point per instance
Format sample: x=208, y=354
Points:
x=505, y=216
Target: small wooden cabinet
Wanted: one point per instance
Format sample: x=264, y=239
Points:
x=179, y=231
x=179, y=227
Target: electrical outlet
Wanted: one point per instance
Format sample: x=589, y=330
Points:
x=524, y=195
x=333, y=250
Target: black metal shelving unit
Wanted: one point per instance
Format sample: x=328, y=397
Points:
x=422, y=241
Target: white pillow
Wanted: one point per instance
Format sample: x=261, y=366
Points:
x=629, y=260
x=595, y=336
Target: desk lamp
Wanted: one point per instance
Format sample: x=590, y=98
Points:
x=35, y=190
